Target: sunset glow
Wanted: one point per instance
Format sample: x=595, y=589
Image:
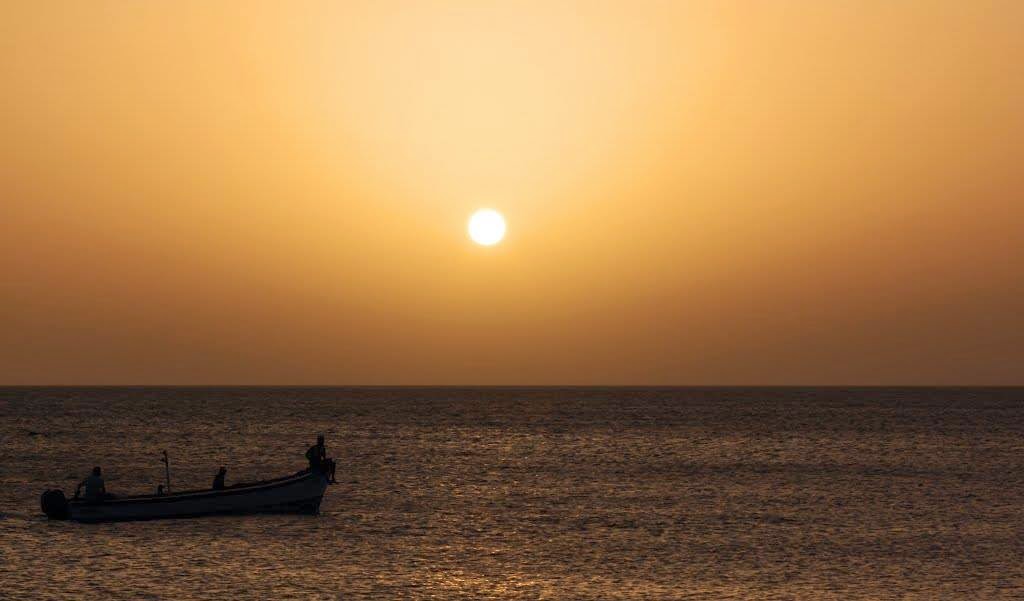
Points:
x=703, y=192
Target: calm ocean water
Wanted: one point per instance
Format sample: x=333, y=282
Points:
x=554, y=493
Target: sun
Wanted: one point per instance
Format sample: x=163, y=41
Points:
x=487, y=227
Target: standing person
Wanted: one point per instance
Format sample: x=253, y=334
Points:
x=218, y=480
x=318, y=461
x=95, y=488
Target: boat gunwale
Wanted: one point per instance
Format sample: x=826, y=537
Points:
x=189, y=495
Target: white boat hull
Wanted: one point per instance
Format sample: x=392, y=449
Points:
x=300, y=493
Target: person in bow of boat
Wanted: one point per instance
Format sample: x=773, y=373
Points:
x=95, y=488
x=318, y=460
x=218, y=480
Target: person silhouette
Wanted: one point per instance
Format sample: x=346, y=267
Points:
x=318, y=460
x=95, y=487
x=218, y=480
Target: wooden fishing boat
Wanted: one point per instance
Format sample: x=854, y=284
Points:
x=299, y=493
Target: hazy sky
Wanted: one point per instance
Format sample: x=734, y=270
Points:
x=696, y=192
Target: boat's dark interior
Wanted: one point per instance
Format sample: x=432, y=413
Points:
x=232, y=487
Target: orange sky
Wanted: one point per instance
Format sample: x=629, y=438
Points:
x=787, y=192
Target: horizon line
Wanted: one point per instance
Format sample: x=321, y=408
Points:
x=514, y=386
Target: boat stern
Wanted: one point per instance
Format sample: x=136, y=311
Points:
x=55, y=505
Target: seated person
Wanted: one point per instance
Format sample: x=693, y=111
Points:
x=318, y=461
x=95, y=488
x=218, y=480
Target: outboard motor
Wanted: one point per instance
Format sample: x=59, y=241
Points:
x=54, y=504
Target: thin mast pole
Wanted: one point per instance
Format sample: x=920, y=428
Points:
x=167, y=471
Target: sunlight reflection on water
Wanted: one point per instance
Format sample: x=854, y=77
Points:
x=501, y=494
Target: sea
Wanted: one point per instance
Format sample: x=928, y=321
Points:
x=530, y=493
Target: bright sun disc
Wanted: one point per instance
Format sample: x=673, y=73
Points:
x=487, y=227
